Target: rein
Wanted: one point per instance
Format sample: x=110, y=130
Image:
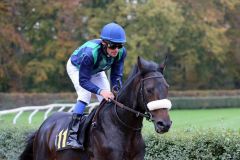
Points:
x=147, y=116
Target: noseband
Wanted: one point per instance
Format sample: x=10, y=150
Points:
x=143, y=95
x=147, y=115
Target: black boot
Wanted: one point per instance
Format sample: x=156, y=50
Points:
x=74, y=126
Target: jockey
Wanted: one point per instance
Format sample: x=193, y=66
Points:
x=86, y=67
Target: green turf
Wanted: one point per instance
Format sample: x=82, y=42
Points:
x=213, y=118
x=188, y=121
x=183, y=120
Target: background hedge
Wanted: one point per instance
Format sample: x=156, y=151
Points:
x=205, y=102
x=171, y=146
x=12, y=143
x=181, y=99
x=200, y=145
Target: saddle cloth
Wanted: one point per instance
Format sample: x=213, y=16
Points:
x=61, y=137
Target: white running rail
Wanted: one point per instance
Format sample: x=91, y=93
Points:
x=48, y=109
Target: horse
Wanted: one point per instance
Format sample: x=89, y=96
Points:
x=115, y=131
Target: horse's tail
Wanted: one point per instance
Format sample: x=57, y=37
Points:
x=27, y=154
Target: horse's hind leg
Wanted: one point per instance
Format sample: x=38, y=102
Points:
x=41, y=155
x=42, y=152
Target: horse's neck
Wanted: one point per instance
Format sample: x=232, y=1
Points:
x=129, y=99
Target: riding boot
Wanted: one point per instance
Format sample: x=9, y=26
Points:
x=73, y=129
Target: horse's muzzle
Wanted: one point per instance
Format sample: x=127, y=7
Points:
x=162, y=126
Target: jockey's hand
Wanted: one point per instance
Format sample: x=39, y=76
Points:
x=107, y=94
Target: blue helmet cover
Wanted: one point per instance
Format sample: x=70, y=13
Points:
x=113, y=32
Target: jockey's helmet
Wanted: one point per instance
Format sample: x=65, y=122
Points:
x=113, y=32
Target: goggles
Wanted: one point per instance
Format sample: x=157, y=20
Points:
x=112, y=45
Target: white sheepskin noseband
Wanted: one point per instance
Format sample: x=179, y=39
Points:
x=163, y=103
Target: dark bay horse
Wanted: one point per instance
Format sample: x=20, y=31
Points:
x=115, y=133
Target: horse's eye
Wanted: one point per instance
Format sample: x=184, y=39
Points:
x=149, y=90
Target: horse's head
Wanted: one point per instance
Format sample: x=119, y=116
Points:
x=152, y=94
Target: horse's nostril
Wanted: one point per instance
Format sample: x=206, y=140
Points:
x=160, y=123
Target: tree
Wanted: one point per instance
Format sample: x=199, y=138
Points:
x=54, y=30
x=232, y=18
x=200, y=46
x=201, y=39
x=12, y=46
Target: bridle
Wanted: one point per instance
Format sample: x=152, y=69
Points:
x=144, y=100
x=146, y=115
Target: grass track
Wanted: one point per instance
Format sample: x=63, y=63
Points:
x=213, y=118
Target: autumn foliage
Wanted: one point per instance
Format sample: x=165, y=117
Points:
x=200, y=38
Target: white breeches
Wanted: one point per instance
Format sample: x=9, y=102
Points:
x=99, y=79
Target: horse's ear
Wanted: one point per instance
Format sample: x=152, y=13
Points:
x=162, y=66
x=141, y=64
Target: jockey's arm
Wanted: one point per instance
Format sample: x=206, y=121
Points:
x=85, y=70
x=117, y=71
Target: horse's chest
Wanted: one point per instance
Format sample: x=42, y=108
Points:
x=117, y=153
x=117, y=146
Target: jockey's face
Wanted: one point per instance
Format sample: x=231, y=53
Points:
x=112, y=52
x=113, y=48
